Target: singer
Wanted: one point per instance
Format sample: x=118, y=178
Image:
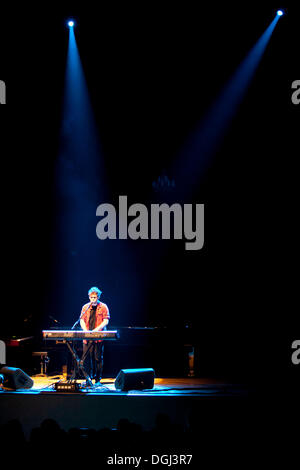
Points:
x=95, y=317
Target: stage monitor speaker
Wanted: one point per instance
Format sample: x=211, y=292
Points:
x=15, y=378
x=134, y=379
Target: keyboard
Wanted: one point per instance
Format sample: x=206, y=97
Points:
x=80, y=335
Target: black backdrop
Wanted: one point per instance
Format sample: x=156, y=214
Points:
x=152, y=72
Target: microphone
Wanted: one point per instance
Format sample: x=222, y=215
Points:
x=76, y=323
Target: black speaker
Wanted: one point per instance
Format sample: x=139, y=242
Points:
x=134, y=379
x=15, y=378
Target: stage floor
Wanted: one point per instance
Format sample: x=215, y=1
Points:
x=165, y=386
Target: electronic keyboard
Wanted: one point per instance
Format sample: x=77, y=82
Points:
x=80, y=335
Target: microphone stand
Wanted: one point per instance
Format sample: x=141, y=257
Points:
x=73, y=327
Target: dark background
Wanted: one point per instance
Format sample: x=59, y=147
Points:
x=152, y=71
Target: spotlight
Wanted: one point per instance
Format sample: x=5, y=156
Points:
x=71, y=23
x=280, y=12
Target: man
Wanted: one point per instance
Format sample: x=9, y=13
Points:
x=94, y=317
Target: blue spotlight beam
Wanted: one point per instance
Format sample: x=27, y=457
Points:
x=80, y=173
x=80, y=259
x=195, y=157
x=79, y=127
x=80, y=185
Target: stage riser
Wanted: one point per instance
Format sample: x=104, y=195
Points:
x=97, y=412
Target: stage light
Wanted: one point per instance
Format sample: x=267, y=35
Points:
x=71, y=23
x=204, y=142
x=280, y=12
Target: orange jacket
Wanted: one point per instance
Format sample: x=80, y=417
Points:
x=102, y=313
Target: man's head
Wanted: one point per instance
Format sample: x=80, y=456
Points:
x=94, y=295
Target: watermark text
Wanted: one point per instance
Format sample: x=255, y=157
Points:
x=296, y=94
x=185, y=222
x=296, y=354
x=2, y=352
x=2, y=92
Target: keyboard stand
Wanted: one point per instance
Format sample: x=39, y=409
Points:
x=79, y=363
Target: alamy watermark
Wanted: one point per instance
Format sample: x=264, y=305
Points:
x=2, y=352
x=187, y=222
x=296, y=354
x=2, y=92
x=296, y=93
